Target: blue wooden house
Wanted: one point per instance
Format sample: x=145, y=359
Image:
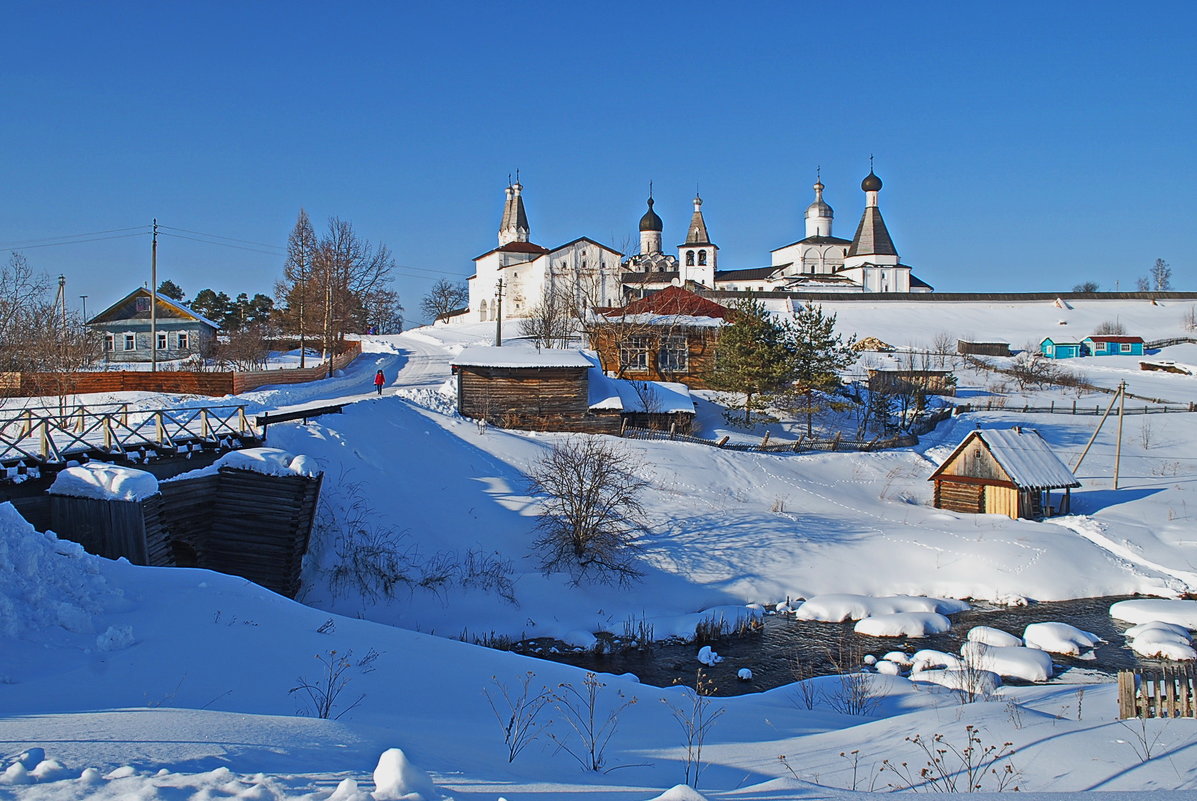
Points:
x=1106, y=345
x=126, y=327
x=1053, y=349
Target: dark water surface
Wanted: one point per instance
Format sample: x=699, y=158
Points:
x=771, y=654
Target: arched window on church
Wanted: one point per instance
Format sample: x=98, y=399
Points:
x=702, y=257
x=689, y=258
x=482, y=311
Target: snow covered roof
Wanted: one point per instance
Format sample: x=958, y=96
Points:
x=613, y=393
x=174, y=305
x=490, y=356
x=106, y=482
x=674, y=320
x=1024, y=455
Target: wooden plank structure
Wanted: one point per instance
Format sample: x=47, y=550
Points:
x=1009, y=472
x=233, y=521
x=1170, y=693
x=930, y=382
x=965, y=347
x=238, y=522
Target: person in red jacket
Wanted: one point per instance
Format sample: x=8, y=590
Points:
x=379, y=380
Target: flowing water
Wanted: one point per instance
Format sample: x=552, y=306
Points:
x=787, y=649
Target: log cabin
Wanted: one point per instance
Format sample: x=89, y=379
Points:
x=1003, y=471
x=670, y=335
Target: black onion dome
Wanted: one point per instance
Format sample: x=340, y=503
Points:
x=871, y=183
x=650, y=221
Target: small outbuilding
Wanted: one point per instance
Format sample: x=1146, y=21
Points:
x=1056, y=349
x=562, y=390
x=969, y=348
x=1104, y=345
x=897, y=379
x=1004, y=471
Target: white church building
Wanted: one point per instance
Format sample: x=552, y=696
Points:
x=517, y=275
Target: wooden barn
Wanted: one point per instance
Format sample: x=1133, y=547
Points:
x=1004, y=471
x=897, y=379
x=669, y=335
x=538, y=390
x=561, y=390
x=968, y=348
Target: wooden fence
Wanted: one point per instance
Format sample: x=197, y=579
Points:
x=1172, y=693
x=802, y=445
x=215, y=384
x=50, y=435
x=1000, y=404
x=1155, y=344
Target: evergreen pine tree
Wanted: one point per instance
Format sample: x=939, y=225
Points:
x=817, y=355
x=752, y=357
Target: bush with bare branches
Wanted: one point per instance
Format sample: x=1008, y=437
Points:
x=591, y=512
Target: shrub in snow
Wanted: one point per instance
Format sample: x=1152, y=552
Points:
x=1027, y=664
x=992, y=636
x=708, y=657
x=1059, y=638
x=888, y=668
x=974, y=683
x=49, y=770
x=397, y=779
x=592, y=511
x=898, y=658
x=929, y=659
x=592, y=733
x=744, y=674
x=903, y=624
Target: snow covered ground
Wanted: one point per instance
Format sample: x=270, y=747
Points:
x=173, y=683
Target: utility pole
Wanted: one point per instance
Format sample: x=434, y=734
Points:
x=1118, y=446
x=154, y=300
x=499, y=314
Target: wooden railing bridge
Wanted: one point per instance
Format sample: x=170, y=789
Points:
x=52, y=435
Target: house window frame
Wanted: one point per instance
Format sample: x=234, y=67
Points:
x=130, y=342
x=183, y=340
x=141, y=304
x=1125, y=347
x=633, y=352
x=110, y=343
x=673, y=353
x=163, y=341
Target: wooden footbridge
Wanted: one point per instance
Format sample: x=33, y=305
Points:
x=53, y=435
x=50, y=436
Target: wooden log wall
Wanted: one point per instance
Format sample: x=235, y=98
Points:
x=241, y=523
x=701, y=343
x=959, y=497
x=496, y=394
x=1170, y=693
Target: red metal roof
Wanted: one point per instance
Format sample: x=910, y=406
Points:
x=1104, y=338
x=674, y=300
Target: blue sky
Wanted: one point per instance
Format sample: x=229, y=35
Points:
x=1023, y=146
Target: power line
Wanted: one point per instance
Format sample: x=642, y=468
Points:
x=52, y=239
x=221, y=236
x=222, y=244
x=73, y=242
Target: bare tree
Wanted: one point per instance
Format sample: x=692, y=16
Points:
x=1110, y=327
x=1087, y=286
x=1161, y=276
x=242, y=349
x=444, y=297
x=551, y=323
x=592, y=510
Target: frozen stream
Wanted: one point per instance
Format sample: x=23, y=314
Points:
x=773, y=653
